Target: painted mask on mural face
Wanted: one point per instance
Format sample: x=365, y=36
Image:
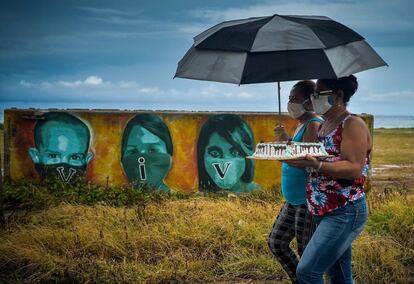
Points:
x=145, y=158
x=62, y=171
x=146, y=168
x=224, y=163
x=225, y=172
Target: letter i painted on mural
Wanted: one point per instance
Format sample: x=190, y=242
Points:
x=141, y=167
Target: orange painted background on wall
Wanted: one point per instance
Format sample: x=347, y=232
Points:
x=107, y=127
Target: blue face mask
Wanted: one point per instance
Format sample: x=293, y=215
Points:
x=321, y=104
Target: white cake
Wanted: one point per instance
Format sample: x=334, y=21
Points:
x=285, y=151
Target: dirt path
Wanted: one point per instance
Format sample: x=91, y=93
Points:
x=389, y=178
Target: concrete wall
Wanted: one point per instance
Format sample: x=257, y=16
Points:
x=101, y=146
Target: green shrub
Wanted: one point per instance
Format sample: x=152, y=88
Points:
x=28, y=195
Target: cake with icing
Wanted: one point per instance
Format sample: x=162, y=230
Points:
x=285, y=151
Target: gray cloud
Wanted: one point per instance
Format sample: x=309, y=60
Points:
x=94, y=88
x=105, y=11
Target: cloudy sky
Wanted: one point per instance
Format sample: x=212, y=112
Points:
x=123, y=54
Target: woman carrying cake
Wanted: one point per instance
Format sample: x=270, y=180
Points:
x=294, y=219
x=335, y=187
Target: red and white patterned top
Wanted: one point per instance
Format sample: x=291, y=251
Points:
x=326, y=193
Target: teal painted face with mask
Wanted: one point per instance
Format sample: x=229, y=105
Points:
x=145, y=158
x=224, y=163
x=61, y=151
x=223, y=144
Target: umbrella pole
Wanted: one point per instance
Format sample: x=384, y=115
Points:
x=278, y=98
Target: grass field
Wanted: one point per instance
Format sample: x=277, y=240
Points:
x=393, y=146
x=204, y=239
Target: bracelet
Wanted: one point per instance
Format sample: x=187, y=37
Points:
x=319, y=166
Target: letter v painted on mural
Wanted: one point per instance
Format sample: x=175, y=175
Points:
x=220, y=172
x=63, y=176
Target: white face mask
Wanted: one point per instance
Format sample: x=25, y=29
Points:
x=321, y=104
x=296, y=110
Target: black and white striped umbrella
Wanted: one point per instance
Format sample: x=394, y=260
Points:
x=277, y=48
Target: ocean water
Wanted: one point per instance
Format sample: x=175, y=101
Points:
x=393, y=121
x=380, y=121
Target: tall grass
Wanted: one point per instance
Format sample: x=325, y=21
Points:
x=200, y=239
x=197, y=239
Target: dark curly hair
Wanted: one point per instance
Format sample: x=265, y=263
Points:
x=348, y=85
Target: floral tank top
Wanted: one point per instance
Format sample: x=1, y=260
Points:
x=326, y=193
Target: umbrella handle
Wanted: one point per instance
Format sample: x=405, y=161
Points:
x=278, y=98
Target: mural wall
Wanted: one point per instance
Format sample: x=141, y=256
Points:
x=165, y=151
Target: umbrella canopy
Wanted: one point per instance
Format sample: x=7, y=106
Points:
x=276, y=33
x=277, y=48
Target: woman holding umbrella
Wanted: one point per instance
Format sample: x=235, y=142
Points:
x=294, y=219
x=335, y=187
x=305, y=47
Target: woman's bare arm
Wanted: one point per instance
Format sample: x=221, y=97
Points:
x=354, y=146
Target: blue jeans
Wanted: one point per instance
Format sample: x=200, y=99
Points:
x=330, y=249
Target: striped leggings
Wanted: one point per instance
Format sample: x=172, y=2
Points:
x=292, y=221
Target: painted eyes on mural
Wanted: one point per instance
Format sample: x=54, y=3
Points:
x=153, y=150
x=215, y=152
x=131, y=151
x=76, y=157
x=235, y=153
x=52, y=155
x=156, y=148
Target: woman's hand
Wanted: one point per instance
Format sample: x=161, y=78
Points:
x=309, y=161
x=281, y=134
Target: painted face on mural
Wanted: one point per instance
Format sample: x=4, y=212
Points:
x=61, y=149
x=224, y=163
x=223, y=144
x=145, y=158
